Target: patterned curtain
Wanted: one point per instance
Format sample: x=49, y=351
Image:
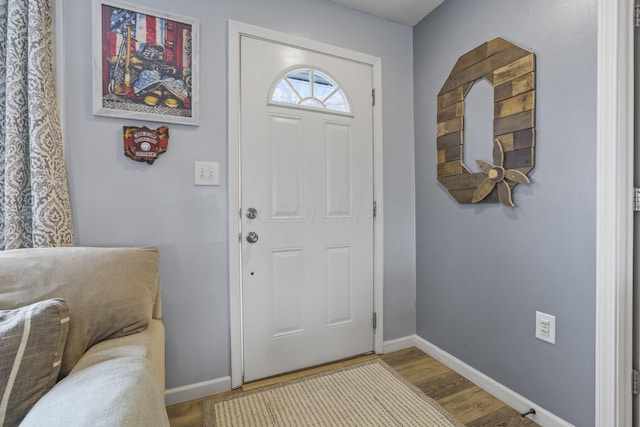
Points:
x=35, y=210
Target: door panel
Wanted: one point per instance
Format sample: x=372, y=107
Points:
x=307, y=282
x=339, y=286
x=636, y=226
x=286, y=155
x=287, y=266
x=338, y=170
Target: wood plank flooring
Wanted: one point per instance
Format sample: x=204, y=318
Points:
x=467, y=402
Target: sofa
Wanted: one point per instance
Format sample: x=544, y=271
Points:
x=82, y=338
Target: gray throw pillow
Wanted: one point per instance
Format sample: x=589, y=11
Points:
x=33, y=339
x=110, y=292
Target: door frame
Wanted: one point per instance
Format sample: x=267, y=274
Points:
x=235, y=31
x=614, y=215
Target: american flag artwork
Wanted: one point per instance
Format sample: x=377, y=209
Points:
x=146, y=62
x=144, y=28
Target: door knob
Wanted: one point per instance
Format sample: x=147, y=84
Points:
x=252, y=237
x=252, y=213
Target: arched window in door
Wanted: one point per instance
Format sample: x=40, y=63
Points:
x=310, y=88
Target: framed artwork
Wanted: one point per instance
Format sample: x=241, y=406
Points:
x=145, y=64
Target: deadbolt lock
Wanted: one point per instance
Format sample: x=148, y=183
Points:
x=252, y=213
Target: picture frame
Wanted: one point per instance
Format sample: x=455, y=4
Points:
x=145, y=64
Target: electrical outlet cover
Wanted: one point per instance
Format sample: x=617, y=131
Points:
x=546, y=327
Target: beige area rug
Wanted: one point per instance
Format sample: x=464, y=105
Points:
x=369, y=394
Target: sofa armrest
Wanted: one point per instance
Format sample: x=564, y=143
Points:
x=148, y=344
x=157, y=306
x=118, y=392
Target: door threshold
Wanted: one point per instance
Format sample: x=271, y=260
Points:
x=317, y=369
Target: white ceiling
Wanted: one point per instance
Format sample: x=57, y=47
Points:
x=408, y=12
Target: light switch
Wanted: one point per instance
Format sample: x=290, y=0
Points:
x=206, y=173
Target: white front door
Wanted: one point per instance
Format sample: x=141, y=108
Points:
x=307, y=173
x=636, y=228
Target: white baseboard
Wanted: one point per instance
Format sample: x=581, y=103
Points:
x=399, y=344
x=196, y=391
x=508, y=396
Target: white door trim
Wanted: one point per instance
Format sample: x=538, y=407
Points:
x=614, y=221
x=235, y=31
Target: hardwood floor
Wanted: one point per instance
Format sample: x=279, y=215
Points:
x=467, y=402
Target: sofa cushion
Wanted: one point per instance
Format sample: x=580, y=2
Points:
x=110, y=292
x=33, y=339
x=117, y=392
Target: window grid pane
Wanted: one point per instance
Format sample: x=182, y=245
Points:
x=310, y=88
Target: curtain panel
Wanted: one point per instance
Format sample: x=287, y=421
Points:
x=35, y=209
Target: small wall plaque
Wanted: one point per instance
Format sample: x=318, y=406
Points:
x=143, y=144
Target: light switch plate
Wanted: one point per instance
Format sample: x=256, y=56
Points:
x=206, y=173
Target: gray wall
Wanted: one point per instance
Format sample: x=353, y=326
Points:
x=120, y=202
x=483, y=271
